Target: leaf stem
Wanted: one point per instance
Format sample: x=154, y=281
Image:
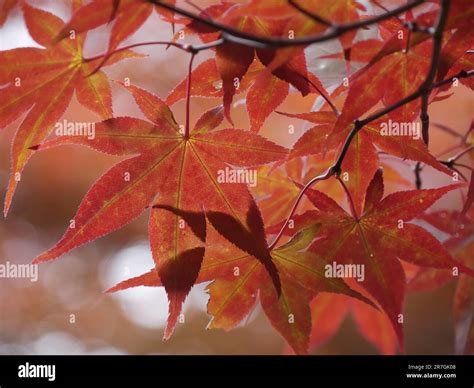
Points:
x=349, y=197
x=188, y=96
x=329, y=173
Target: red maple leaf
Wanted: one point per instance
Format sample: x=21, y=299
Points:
x=378, y=239
x=238, y=279
x=179, y=177
x=42, y=81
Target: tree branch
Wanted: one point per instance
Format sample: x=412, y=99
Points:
x=231, y=34
x=427, y=85
x=234, y=35
x=425, y=89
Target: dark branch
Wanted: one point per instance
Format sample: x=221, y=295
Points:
x=234, y=35
x=426, y=87
x=231, y=34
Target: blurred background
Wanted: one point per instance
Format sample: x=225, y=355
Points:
x=66, y=310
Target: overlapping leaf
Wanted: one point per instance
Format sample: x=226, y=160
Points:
x=329, y=311
x=205, y=228
x=378, y=239
x=460, y=228
x=42, y=82
x=127, y=15
x=234, y=61
x=178, y=177
x=238, y=278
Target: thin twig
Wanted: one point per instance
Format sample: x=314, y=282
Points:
x=464, y=166
x=185, y=47
x=461, y=154
x=447, y=129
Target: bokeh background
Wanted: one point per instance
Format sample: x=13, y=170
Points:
x=67, y=312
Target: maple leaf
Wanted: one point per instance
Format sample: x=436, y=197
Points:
x=463, y=311
x=207, y=82
x=234, y=61
x=177, y=177
x=378, y=239
x=279, y=186
x=329, y=311
x=238, y=278
x=41, y=82
x=276, y=192
x=401, y=56
x=460, y=228
x=128, y=17
x=405, y=72
x=266, y=90
x=265, y=95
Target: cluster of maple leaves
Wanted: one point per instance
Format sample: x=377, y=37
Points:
x=202, y=230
